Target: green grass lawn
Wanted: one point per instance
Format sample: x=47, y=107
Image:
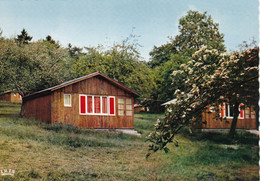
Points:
x=39, y=151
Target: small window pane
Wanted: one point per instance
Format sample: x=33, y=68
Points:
x=121, y=106
x=247, y=112
x=121, y=112
x=89, y=101
x=121, y=101
x=67, y=100
x=129, y=107
x=128, y=101
x=252, y=114
x=97, y=104
x=104, y=104
x=129, y=113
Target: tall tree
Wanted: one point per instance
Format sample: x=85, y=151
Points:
x=23, y=38
x=51, y=42
x=161, y=54
x=209, y=76
x=197, y=30
x=32, y=67
x=164, y=89
x=74, y=51
x=120, y=62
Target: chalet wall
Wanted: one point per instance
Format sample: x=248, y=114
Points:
x=92, y=86
x=249, y=121
x=5, y=97
x=38, y=108
x=15, y=98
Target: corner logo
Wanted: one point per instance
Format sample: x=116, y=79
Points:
x=7, y=172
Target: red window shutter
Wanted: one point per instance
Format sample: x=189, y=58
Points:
x=222, y=113
x=82, y=104
x=89, y=99
x=104, y=105
x=241, y=111
x=112, y=105
x=97, y=104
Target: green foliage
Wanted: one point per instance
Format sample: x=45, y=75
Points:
x=74, y=51
x=120, y=62
x=197, y=30
x=208, y=77
x=50, y=42
x=161, y=54
x=164, y=90
x=32, y=67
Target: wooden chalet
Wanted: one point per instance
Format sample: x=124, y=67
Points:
x=91, y=101
x=140, y=108
x=11, y=96
x=246, y=118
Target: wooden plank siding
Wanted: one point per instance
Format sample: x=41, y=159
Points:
x=48, y=105
x=5, y=97
x=249, y=121
x=39, y=108
x=92, y=86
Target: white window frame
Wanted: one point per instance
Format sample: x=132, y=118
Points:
x=101, y=105
x=227, y=113
x=67, y=105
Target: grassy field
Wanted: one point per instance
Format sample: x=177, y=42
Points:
x=39, y=151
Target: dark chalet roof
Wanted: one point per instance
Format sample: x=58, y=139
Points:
x=70, y=82
x=7, y=92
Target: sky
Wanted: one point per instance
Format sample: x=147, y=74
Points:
x=104, y=22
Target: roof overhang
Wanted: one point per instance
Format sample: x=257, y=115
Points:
x=70, y=82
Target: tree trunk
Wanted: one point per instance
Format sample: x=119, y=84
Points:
x=232, y=130
x=22, y=112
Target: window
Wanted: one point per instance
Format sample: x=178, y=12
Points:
x=121, y=106
x=67, y=100
x=129, y=107
x=104, y=105
x=125, y=107
x=97, y=105
x=247, y=112
x=227, y=110
x=14, y=94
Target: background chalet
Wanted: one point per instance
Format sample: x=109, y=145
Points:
x=11, y=96
x=91, y=101
x=246, y=118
